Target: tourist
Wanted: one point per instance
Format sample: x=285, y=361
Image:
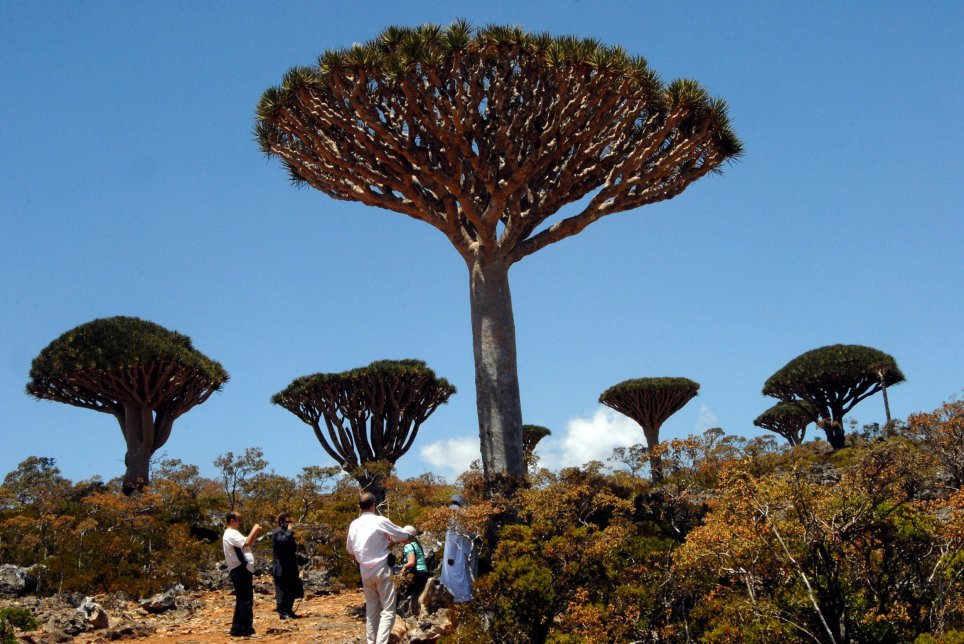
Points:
x=284, y=568
x=240, y=560
x=414, y=563
x=368, y=539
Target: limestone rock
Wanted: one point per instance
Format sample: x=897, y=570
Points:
x=16, y=581
x=129, y=630
x=163, y=602
x=435, y=596
x=94, y=613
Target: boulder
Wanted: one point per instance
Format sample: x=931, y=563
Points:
x=67, y=620
x=129, y=630
x=435, y=596
x=45, y=637
x=96, y=616
x=428, y=629
x=399, y=630
x=163, y=602
x=16, y=581
x=215, y=578
x=318, y=581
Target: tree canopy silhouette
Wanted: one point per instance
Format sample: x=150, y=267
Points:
x=833, y=379
x=143, y=374
x=370, y=415
x=650, y=401
x=531, y=435
x=788, y=419
x=485, y=134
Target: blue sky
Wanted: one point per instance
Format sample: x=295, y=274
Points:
x=130, y=184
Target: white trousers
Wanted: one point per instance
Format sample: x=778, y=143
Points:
x=379, y=605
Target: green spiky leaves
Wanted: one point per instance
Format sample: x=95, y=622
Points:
x=369, y=414
x=113, y=343
x=362, y=377
x=650, y=401
x=648, y=385
x=486, y=133
x=834, y=367
x=417, y=51
x=831, y=380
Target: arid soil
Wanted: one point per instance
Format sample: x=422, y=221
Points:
x=325, y=618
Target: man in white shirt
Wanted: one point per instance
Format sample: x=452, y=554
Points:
x=240, y=560
x=368, y=539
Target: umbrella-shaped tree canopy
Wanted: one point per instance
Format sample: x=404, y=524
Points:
x=650, y=401
x=142, y=373
x=367, y=418
x=788, y=419
x=485, y=134
x=832, y=379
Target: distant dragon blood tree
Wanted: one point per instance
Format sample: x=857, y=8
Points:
x=650, y=401
x=142, y=373
x=832, y=380
x=531, y=435
x=367, y=418
x=787, y=419
x=485, y=134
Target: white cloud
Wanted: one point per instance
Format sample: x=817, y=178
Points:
x=589, y=439
x=706, y=420
x=451, y=457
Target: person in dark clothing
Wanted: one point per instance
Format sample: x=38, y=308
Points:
x=240, y=560
x=287, y=583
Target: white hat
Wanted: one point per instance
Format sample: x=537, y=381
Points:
x=410, y=530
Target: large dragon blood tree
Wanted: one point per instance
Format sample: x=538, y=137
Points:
x=141, y=373
x=832, y=380
x=650, y=401
x=485, y=134
x=367, y=418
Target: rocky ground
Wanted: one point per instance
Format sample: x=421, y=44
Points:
x=204, y=617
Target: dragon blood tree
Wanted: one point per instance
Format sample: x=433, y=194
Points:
x=832, y=380
x=531, y=435
x=367, y=418
x=650, y=401
x=788, y=419
x=142, y=373
x=485, y=134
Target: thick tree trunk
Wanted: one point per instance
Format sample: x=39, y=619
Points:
x=655, y=461
x=496, y=374
x=835, y=430
x=137, y=423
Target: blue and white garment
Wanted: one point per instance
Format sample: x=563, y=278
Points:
x=459, y=563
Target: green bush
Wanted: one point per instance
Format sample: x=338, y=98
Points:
x=20, y=618
x=13, y=618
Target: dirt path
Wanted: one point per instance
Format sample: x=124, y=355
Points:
x=325, y=618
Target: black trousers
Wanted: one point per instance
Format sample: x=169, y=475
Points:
x=411, y=596
x=285, y=594
x=243, y=580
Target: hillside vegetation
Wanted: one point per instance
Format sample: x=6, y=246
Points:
x=742, y=541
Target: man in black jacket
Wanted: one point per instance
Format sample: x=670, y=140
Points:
x=287, y=583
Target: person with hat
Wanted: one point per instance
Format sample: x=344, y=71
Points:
x=459, y=560
x=287, y=582
x=415, y=563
